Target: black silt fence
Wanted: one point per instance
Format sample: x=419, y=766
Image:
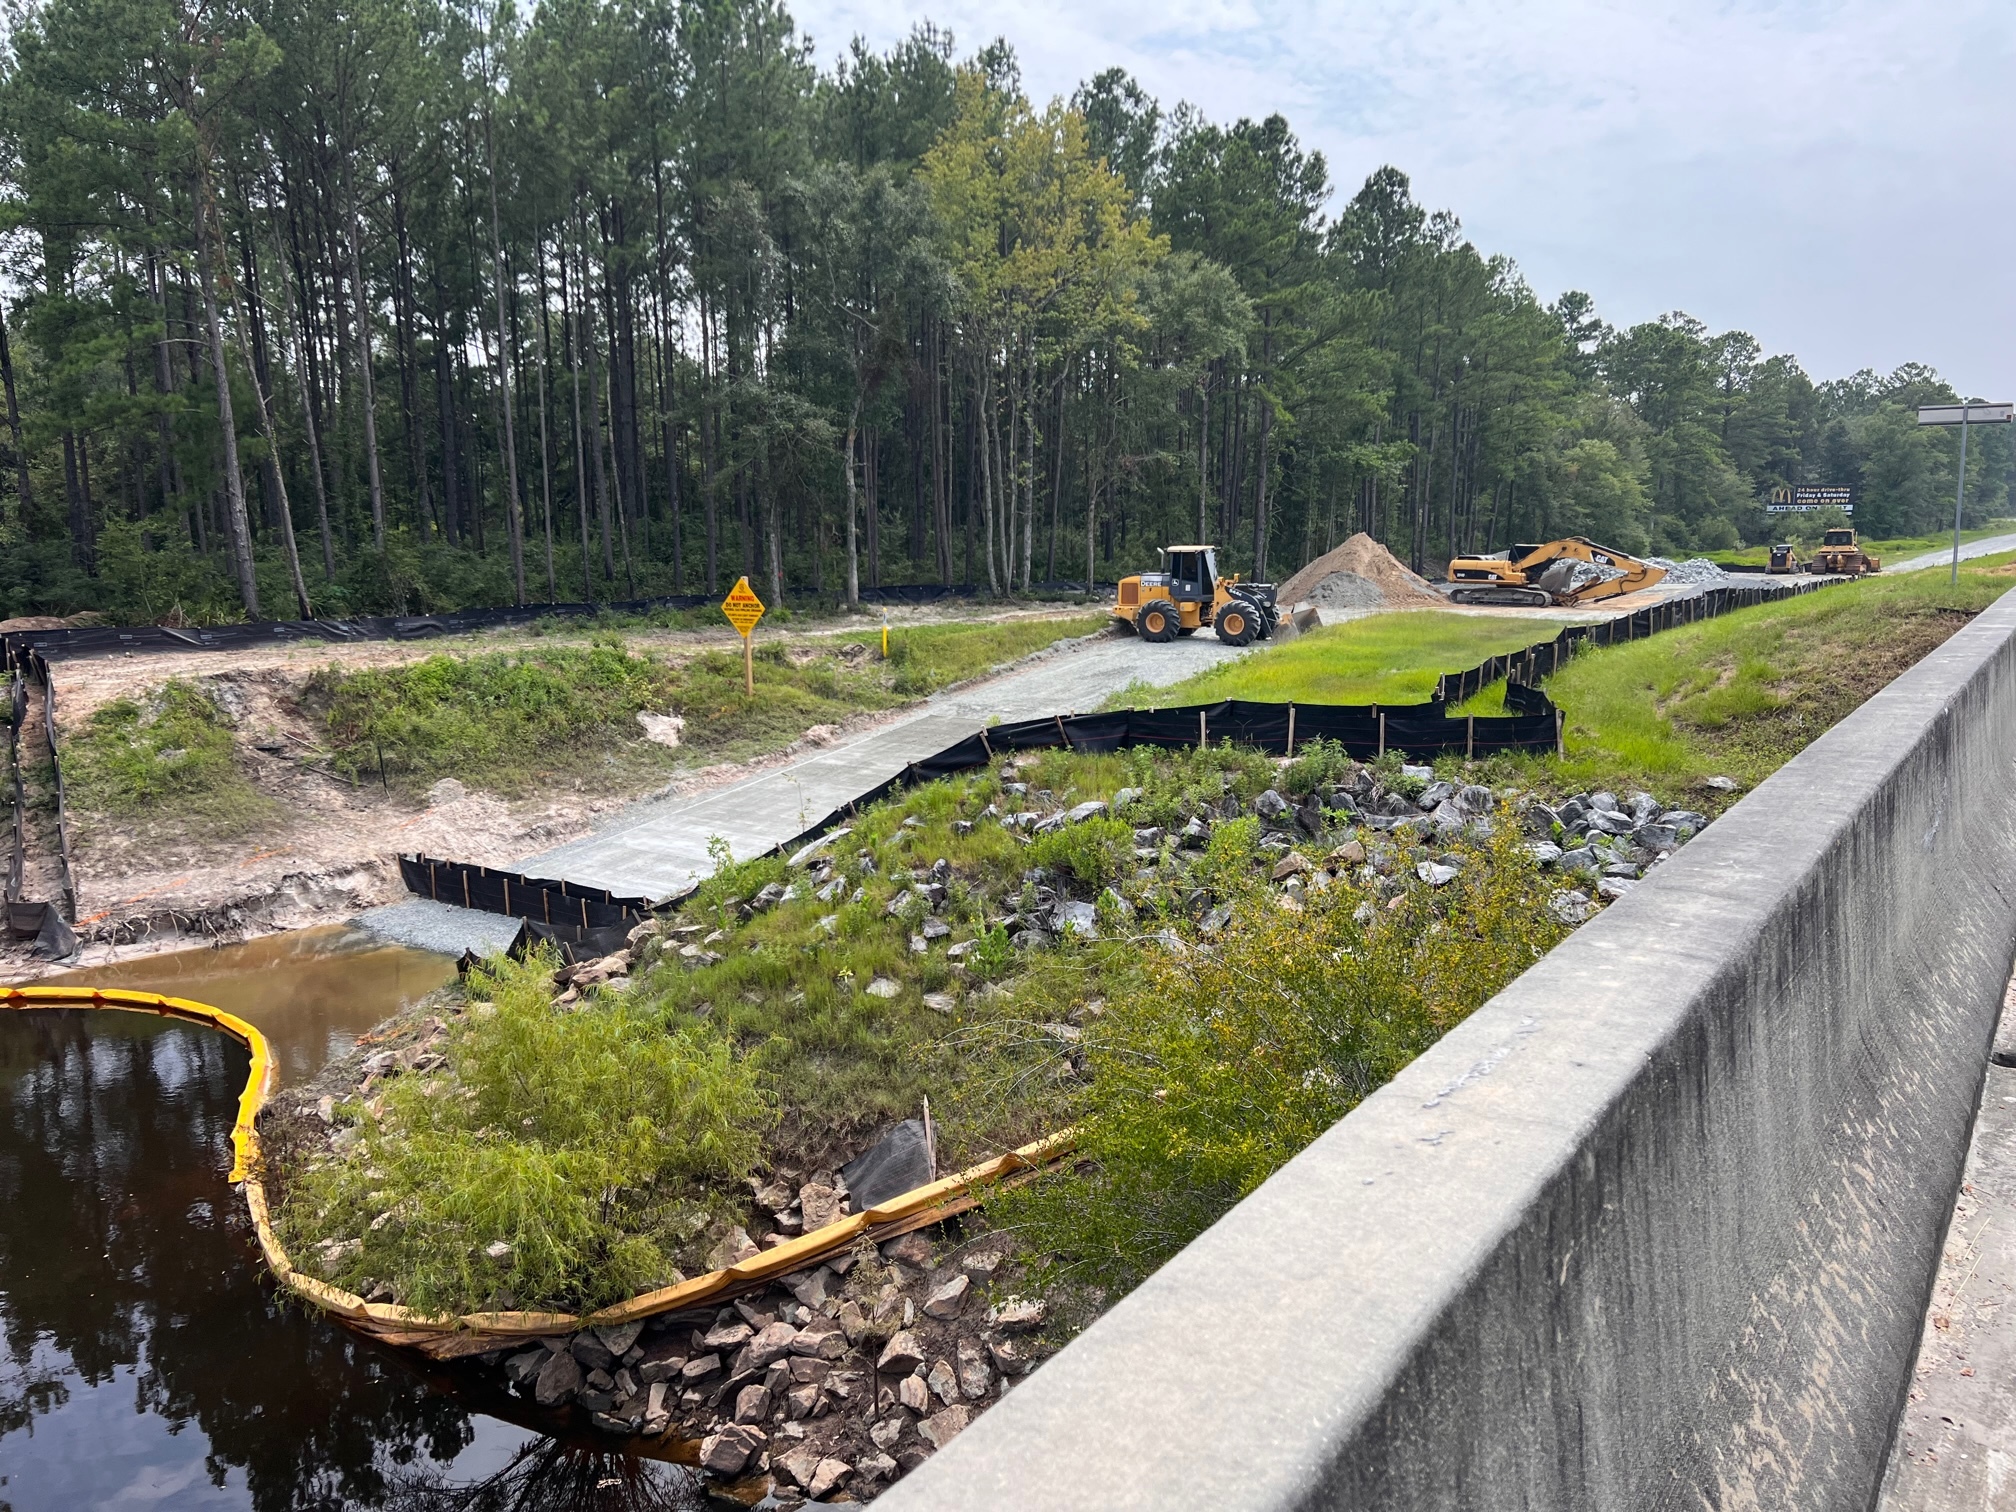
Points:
x=17, y=715
x=159, y=639
x=1367, y=731
x=518, y=896
x=1547, y=657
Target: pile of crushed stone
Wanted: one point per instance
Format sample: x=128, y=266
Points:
x=1365, y=565
x=1347, y=590
x=1696, y=570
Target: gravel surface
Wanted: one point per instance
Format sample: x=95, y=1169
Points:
x=442, y=927
x=658, y=847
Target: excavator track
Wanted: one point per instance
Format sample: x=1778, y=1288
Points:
x=1503, y=597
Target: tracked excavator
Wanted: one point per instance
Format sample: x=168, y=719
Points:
x=1540, y=577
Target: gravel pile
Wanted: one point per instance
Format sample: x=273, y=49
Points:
x=1364, y=558
x=1696, y=570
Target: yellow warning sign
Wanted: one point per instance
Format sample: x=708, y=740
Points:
x=742, y=607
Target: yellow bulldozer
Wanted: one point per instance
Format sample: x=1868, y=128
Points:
x=1539, y=577
x=1841, y=554
x=1189, y=593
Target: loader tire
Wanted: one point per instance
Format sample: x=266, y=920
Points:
x=1158, y=621
x=1236, y=624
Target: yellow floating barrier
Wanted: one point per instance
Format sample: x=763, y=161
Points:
x=474, y=1333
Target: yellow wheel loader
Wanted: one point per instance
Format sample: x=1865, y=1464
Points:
x=1539, y=577
x=1189, y=594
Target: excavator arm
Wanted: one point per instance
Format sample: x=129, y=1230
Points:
x=1540, y=576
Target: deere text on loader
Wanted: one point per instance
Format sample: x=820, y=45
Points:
x=1189, y=594
x=1539, y=577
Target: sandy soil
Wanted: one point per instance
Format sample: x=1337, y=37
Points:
x=332, y=848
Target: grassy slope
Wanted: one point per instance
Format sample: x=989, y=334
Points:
x=1889, y=548
x=1742, y=694
x=1386, y=658
x=170, y=754
x=516, y=720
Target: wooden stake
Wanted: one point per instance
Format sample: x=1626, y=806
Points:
x=1291, y=729
x=748, y=664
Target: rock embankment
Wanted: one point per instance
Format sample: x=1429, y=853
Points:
x=839, y=1378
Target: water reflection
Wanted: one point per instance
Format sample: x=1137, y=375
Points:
x=146, y=1363
x=311, y=991
x=554, y=1474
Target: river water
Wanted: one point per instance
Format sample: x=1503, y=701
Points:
x=147, y=1361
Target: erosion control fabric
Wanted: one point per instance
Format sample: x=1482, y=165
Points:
x=142, y=639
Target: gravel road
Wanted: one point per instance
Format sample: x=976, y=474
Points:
x=655, y=848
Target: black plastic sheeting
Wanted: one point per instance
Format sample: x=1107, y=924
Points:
x=900, y=1161
x=1543, y=659
x=1365, y=730
x=24, y=667
x=17, y=858
x=45, y=925
x=517, y=896
x=148, y=639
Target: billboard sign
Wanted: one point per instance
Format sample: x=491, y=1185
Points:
x=1804, y=498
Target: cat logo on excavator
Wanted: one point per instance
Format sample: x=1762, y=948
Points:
x=1189, y=594
x=1539, y=577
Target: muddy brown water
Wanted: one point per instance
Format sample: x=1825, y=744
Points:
x=148, y=1362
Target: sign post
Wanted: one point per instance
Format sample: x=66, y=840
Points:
x=1963, y=415
x=743, y=609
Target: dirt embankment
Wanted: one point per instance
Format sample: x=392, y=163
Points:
x=327, y=847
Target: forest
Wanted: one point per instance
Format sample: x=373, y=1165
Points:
x=399, y=306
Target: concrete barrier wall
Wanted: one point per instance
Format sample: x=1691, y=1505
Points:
x=1654, y=1228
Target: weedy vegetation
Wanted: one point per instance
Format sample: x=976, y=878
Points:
x=168, y=758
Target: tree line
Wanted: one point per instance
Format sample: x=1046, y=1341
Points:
x=396, y=306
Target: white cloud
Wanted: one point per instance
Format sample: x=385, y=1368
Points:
x=1832, y=175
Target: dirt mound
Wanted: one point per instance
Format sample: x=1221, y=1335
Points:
x=1365, y=559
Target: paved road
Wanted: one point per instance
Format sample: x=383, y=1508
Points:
x=655, y=848
x=1954, y=1448
x=1943, y=557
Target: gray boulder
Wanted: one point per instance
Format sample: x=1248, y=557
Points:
x=1435, y=793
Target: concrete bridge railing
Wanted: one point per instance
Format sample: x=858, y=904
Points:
x=1655, y=1228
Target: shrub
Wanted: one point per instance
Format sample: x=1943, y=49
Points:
x=587, y=1142
x=1321, y=764
x=1094, y=852
x=1225, y=1063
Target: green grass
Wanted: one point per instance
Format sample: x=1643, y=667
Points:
x=169, y=758
x=925, y=658
x=517, y=720
x=605, y=1140
x=1740, y=695
x=1386, y=658
x=1891, y=547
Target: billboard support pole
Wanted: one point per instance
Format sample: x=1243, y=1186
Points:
x=1967, y=412
x=1959, y=498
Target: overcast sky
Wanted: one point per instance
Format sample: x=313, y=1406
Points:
x=1837, y=177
